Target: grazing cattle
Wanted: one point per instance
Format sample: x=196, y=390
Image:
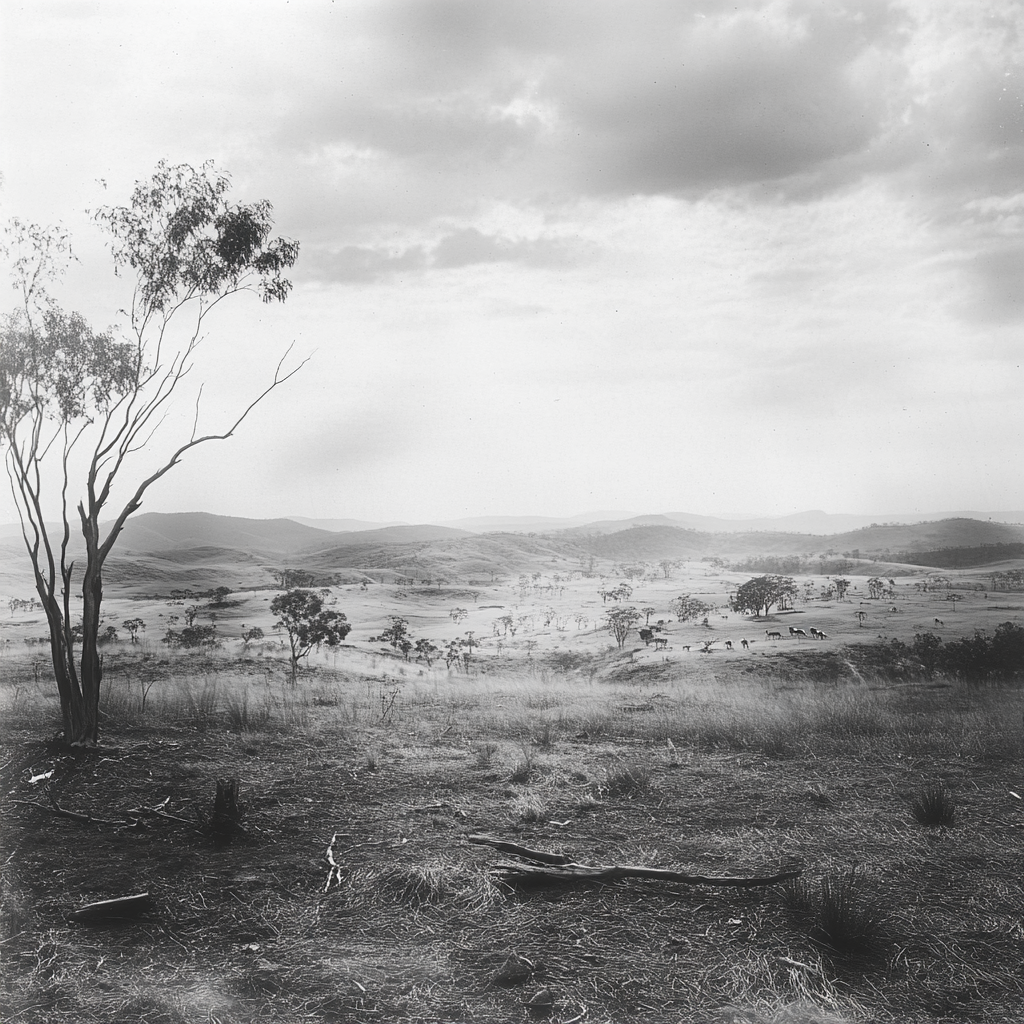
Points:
x=728, y=645
x=939, y=622
x=745, y=644
x=818, y=634
x=660, y=643
x=894, y=610
x=686, y=647
x=793, y=631
x=772, y=634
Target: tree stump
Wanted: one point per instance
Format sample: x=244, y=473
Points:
x=227, y=816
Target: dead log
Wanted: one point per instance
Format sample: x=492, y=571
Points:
x=123, y=908
x=515, y=850
x=548, y=868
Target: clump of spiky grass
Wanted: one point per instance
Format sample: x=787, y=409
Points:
x=485, y=753
x=545, y=735
x=523, y=769
x=839, y=913
x=422, y=885
x=199, y=707
x=933, y=805
x=243, y=716
x=628, y=780
x=529, y=807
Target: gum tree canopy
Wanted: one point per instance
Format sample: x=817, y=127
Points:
x=75, y=401
x=762, y=592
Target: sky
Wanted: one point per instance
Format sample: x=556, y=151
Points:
x=745, y=257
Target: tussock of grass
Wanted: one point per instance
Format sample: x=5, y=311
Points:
x=246, y=715
x=430, y=884
x=933, y=805
x=529, y=807
x=485, y=753
x=839, y=912
x=628, y=780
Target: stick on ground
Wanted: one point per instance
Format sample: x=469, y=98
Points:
x=557, y=868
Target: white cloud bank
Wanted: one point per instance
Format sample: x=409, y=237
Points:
x=757, y=256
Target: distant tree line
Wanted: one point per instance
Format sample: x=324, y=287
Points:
x=794, y=565
x=962, y=557
x=1012, y=579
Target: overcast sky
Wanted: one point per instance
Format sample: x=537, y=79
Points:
x=749, y=257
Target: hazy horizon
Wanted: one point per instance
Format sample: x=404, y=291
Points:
x=761, y=256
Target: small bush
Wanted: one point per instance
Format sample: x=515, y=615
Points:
x=933, y=805
x=838, y=914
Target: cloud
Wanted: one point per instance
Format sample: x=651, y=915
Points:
x=997, y=276
x=463, y=247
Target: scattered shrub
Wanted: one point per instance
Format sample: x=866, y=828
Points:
x=192, y=637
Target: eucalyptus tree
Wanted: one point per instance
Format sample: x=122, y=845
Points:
x=73, y=400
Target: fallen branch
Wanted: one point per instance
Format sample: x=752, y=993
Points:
x=556, y=868
x=54, y=808
x=90, y=819
x=335, y=876
x=120, y=909
x=538, y=856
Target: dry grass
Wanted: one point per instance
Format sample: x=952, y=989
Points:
x=760, y=771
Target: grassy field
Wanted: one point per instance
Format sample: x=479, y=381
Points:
x=737, y=762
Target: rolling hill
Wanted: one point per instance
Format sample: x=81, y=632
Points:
x=200, y=551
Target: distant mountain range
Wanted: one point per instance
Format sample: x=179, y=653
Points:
x=200, y=550
x=799, y=522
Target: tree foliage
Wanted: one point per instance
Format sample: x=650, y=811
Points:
x=686, y=607
x=620, y=621
x=762, y=592
x=133, y=626
x=302, y=615
x=70, y=396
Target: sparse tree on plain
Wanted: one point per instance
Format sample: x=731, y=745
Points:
x=686, y=608
x=620, y=621
x=761, y=593
x=68, y=394
x=302, y=615
x=133, y=626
